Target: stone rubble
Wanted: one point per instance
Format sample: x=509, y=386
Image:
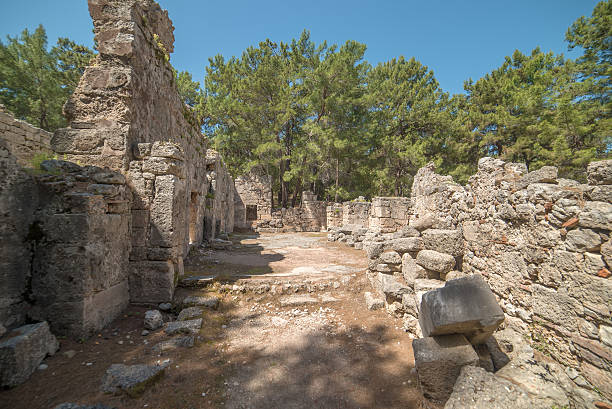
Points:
x=153, y=320
x=131, y=379
x=183, y=327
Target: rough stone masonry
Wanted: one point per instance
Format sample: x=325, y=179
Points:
x=112, y=221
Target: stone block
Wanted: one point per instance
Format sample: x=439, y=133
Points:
x=163, y=166
x=407, y=244
x=202, y=301
x=153, y=320
x=183, y=327
x=411, y=270
x=373, y=249
x=22, y=350
x=463, y=306
x=130, y=379
x=478, y=389
x=391, y=287
x=581, y=240
x=185, y=341
x=167, y=150
x=151, y=281
x=600, y=173
x=189, y=313
x=444, y=241
x=435, y=261
x=596, y=215
x=390, y=257
x=546, y=174
x=438, y=362
x=373, y=302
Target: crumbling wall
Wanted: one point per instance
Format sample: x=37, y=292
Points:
x=252, y=200
x=334, y=215
x=126, y=114
x=219, y=210
x=310, y=216
x=543, y=244
x=23, y=140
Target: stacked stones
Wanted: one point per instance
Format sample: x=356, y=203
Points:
x=252, y=189
x=23, y=140
x=334, y=215
x=388, y=214
x=457, y=321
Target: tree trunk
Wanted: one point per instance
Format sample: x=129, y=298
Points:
x=337, y=176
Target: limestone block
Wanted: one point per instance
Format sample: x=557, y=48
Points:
x=167, y=150
x=163, y=166
x=411, y=270
x=183, y=327
x=373, y=249
x=185, y=341
x=423, y=222
x=373, y=302
x=109, y=178
x=67, y=140
x=407, y=244
x=546, y=174
x=189, y=313
x=438, y=361
x=197, y=300
x=596, y=215
x=166, y=211
x=131, y=379
x=600, y=173
x=606, y=252
x=390, y=257
x=581, y=240
x=435, y=261
x=391, y=287
x=406, y=231
x=151, y=281
x=444, y=241
x=153, y=320
x=22, y=350
x=463, y=306
x=478, y=389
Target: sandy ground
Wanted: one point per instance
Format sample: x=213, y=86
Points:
x=319, y=350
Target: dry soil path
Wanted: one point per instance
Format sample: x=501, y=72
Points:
x=274, y=347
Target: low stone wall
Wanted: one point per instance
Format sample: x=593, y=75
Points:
x=311, y=216
x=334, y=215
x=356, y=213
x=389, y=214
x=23, y=140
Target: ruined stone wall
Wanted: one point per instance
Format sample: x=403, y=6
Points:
x=252, y=200
x=126, y=115
x=311, y=216
x=23, y=140
x=356, y=213
x=334, y=215
x=389, y=214
x=543, y=244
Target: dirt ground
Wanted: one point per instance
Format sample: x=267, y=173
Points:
x=297, y=350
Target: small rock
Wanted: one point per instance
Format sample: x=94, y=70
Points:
x=172, y=344
x=42, y=367
x=70, y=354
x=144, y=333
x=153, y=320
x=372, y=302
x=165, y=306
x=79, y=406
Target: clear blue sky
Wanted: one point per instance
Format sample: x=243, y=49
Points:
x=458, y=39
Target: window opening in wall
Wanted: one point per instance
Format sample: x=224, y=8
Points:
x=251, y=212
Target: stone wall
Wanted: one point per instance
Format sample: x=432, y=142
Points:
x=126, y=115
x=356, y=213
x=389, y=214
x=252, y=200
x=334, y=215
x=542, y=243
x=23, y=140
x=81, y=241
x=311, y=216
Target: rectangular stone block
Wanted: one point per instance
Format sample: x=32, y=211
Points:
x=438, y=361
x=463, y=306
x=151, y=281
x=22, y=350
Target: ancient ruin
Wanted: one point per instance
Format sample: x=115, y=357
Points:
x=503, y=285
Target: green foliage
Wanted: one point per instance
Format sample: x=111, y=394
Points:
x=188, y=90
x=34, y=81
x=40, y=158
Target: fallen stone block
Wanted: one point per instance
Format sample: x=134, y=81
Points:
x=427, y=284
x=22, y=350
x=372, y=302
x=478, y=389
x=153, y=320
x=184, y=327
x=189, y=313
x=390, y=257
x=79, y=406
x=172, y=344
x=295, y=300
x=435, y=261
x=391, y=287
x=131, y=379
x=196, y=281
x=438, y=362
x=407, y=244
x=411, y=270
x=198, y=300
x=463, y=306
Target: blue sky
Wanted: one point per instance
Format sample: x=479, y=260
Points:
x=458, y=39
